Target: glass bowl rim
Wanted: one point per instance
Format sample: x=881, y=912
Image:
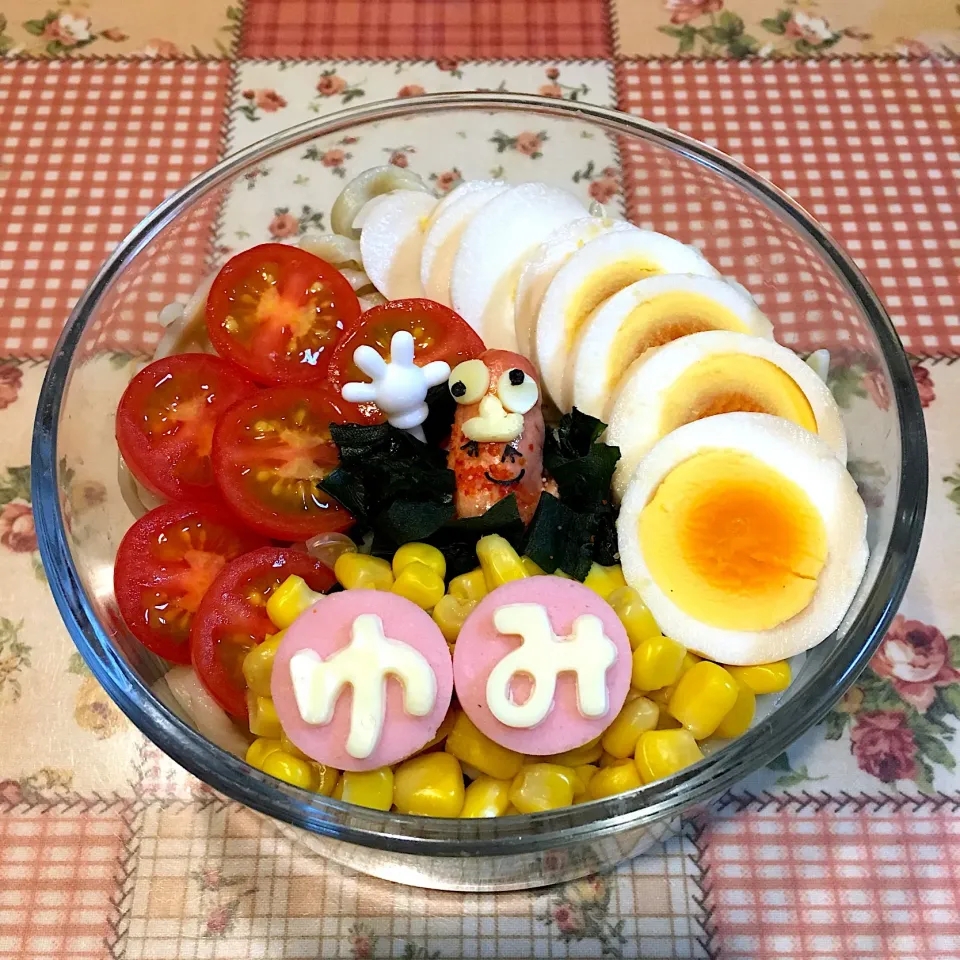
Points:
x=532, y=832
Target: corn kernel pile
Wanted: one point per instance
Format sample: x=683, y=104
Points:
x=676, y=699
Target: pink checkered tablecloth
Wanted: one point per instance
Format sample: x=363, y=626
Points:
x=847, y=845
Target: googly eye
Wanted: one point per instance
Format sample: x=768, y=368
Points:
x=517, y=390
x=469, y=381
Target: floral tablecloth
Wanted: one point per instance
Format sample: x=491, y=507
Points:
x=846, y=846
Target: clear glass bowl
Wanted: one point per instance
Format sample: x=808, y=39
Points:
x=808, y=287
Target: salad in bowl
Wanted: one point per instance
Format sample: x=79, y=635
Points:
x=479, y=506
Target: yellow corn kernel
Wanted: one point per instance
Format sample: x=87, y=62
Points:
x=469, y=586
x=636, y=717
x=661, y=753
x=666, y=722
x=705, y=694
x=289, y=600
x=662, y=696
x=358, y=571
x=656, y=663
x=542, y=786
x=291, y=769
x=288, y=746
x=485, y=797
x=262, y=716
x=511, y=811
x=634, y=614
x=258, y=665
x=617, y=778
x=449, y=614
x=499, y=561
x=738, y=720
x=419, y=583
x=533, y=569
x=607, y=760
x=604, y=580
x=430, y=785
x=476, y=749
x=368, y=788
x=259, y=750
x=689, y=660
x=588, y=753
x=325, y=779
x=764, y=677
x=584, y=773
x=420, y=553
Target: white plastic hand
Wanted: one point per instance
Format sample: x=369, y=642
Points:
x=399, y=388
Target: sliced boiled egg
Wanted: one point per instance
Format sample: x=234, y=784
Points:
x=745, y=536
x=493, y=249
x=542, y=267
x=446, y=226
x=647, y=314
x=391, y=240
x=712, y=373
x=597, y=271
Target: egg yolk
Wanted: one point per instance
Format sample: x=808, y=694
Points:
x=601, y=285
x=734, y=383
x=733, y=542
x=661, y=319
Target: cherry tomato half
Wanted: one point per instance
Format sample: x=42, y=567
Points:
x=270, y=450
x=165, y=564
x=278, y=312
x=438, y=333
x=232, y=618
x=166, y=418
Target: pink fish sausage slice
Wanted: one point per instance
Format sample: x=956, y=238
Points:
x=480, y=647
x=326, y=628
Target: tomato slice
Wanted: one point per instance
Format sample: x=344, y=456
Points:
x=166, y=418
x=270, y=450
x=438, y=333
x=165, y=564
x=278, y=312
x=232, y=618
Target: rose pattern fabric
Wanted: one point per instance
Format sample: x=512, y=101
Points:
x=884, y=746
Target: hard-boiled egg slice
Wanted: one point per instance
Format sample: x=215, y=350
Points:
x=445, y=229
x=493, y=249
x=712, y=373
x=745, y=536
x=598, y=270
x=542, y=267
x=648, y=314
x=391, y=239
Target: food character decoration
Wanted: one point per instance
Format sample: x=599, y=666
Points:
x=399, y=387
x=362, y=680
x=542, y=665
x=496, y=446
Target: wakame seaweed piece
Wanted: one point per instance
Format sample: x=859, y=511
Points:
x=458, y=539
x=380, y=465
x=606, y=549
x=560, y=538
x=581, y=465
x=573, y=436
x=405, y=521
x=439, y=422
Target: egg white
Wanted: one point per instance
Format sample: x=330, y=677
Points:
x=799, y=456
x=542, y=267
x=554, y=341
x=592, y=391
x=635, y=416
x=444, y=230
x=391, y=241
x=493, y=249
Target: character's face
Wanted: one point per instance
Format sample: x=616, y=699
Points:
x=501, y=403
